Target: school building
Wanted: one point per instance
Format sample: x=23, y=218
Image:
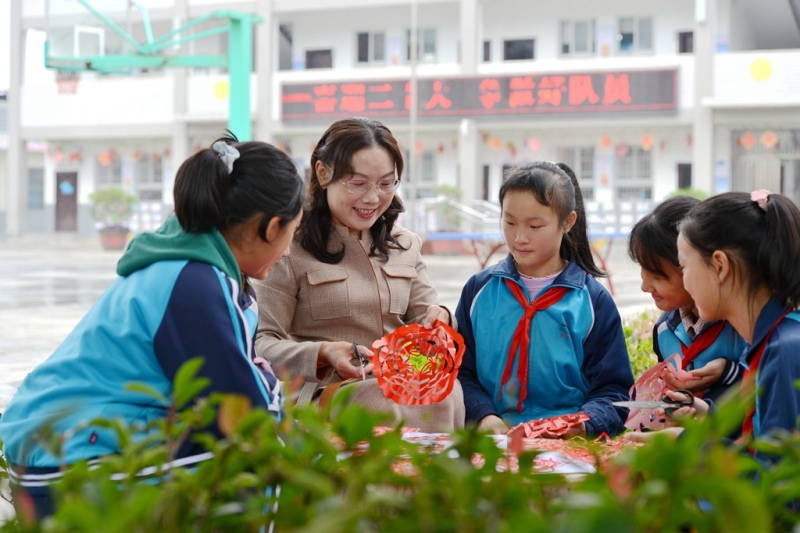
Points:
x=640, y=98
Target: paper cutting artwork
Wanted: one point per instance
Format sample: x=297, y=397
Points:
x=555, y=425
x=651, y=387
x=416, y=365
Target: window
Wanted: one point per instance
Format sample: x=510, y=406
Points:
x=285, y=47
x=426, y=45
x=577, y=37
x=371, y=47
x=108, y=171
x=686, y=42
x=487, y=51
x=634, y=193
x=581, y=161
x=428, y=167
x=684, y=175
x=633, y=164
x=635, y=35
x=319, y=59
x=149, y=177
x=35, y=188
x=518, y=49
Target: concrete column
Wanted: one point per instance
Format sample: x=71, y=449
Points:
x=265, y=39
x=180, y=79
x=469, y=36
x=17, y=213
x=703, y=127
x=468, y=149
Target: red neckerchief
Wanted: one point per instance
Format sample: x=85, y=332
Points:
x=522, y=335
x=700, y=343
x=749, y=378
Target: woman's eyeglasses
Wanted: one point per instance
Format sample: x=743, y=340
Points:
x=361, y=186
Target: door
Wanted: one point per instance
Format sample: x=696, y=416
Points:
x=66, y=201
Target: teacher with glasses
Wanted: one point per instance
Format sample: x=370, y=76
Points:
x=353, y=276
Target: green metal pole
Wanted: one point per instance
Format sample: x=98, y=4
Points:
x=240, y=65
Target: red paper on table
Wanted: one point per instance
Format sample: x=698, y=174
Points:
x=417, y=365
x=554, y=425
x=651, y=387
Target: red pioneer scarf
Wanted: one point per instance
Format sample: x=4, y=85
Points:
x=700, y=343
x=749, y=378
x=522, y=335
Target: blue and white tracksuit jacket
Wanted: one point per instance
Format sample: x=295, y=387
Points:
x=578, y=360
x=669, y=332
x=142, y=329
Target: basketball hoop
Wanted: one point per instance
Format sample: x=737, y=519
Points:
x=67, y=81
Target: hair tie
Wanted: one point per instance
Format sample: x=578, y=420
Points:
x=761, y=197
x=227, y=153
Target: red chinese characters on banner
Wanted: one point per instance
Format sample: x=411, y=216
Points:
x=490, y=92
x=550, y=90
x=617, y=89
x=382, y=88
x=354, y=97
x=521, y=92
x=325, y=102
x=581, y=90
x=438, y=98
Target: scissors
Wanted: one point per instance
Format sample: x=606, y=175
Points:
x=362, y=361
x=667, y=404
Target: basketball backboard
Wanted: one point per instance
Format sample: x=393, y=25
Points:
x=76, y=29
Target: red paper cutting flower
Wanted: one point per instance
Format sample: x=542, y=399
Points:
x=416, y=365
x=651, y=387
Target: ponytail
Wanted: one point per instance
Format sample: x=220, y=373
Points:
x=763, y=245
x=555, y=185
x=262, y=180
x=779, y=252
x=576, y=243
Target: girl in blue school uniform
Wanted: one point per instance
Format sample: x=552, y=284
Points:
x=708, y=350
x=740, y=254
x=543, y=337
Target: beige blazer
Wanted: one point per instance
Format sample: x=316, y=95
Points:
x=304, y=302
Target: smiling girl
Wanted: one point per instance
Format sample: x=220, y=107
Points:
x=709, y=350
x=542, y=336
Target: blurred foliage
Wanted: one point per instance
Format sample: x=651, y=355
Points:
x=689, y=191
x=639, y=340
x=448, y=217
x=298, y=474
x=111, y=206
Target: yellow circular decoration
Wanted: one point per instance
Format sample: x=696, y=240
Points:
x=222, y=89
x=761, y=69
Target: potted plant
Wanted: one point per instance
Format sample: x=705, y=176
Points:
x=113, y=207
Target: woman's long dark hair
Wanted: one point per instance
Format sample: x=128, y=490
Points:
x=655, y=237
x=762, y=246
x=335, y=149
x=556, y=186
x=263, y=181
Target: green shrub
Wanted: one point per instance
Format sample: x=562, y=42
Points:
x=639, y=340
x=111, y=206
x=689, y=191
x=292, y=475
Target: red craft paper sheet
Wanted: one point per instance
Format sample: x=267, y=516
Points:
x=416, y=365
x=651, y=387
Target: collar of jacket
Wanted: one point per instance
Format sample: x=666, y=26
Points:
x=573, y=276
x=769, y=314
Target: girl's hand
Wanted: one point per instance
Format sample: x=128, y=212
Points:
x=493, y=424
x=708, y=375
x=434, y=313
x=698, y=409
x=638, y=436
x=341, y=357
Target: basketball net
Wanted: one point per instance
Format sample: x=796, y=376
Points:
x=67, y=81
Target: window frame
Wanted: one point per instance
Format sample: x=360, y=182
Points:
x=422, y=56
x=371, y=49
x=591, y=35
x=318, y=50
x=533, y=49
x=635, y=36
